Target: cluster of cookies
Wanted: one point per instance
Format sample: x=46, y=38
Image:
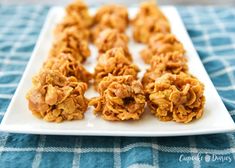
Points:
x=115, y=77
x=172, y=93
x=169, y=90
x=58, y=89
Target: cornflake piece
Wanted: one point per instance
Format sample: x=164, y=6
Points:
x=114, y=62
x=121, y=98
x=95, y=31
x=78, y=11
x=161, y=44
x=112, y=16
x=146, y=27
x=111, y=38
x=149, y=9
x=55, y=98
x=68, y=66
x=71, y=42
x=176, y=97
x=173, y=62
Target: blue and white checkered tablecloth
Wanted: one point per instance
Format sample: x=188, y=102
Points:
x=212, y=30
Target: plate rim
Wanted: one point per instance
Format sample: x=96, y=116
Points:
x=116, y=133
x=8, y=128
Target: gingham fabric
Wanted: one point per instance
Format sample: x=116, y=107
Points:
x=213, y=33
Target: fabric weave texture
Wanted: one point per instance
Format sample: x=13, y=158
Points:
x=212, y=30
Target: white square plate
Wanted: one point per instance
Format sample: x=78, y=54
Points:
x=18, y=118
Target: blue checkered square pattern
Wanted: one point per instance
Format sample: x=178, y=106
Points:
x=212, y=30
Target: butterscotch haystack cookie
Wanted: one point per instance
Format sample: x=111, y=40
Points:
x=176, y=97
x=146, y=27
x=121, y=98
x=68, y=66
x=173, y=63
x=78, y=11
x=149, y=8
x=112, y=16
x=109, y=17
x=148, y=21
x=68, y=25
x=111, y=38
x=78, y=19
x=55, y=98
x=114, y=62
x=70, y=42
x=161, y=44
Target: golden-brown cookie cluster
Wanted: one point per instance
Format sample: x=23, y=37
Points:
x=109, y=16
x=68, y=66
x=69, y=25
x=176, y=97
x=71, y=42
x=121, y=98
x=72, y=34
x=171, y=92
x=77, y=17
x=58, y=89
x=114, y=16
x=149, y=8
x=114, y=62
x=78, y=10
x=55, y=98
x=112, y=38
x=161, y=44
x=115, y=77
x=173, y=62
x=148, y=21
